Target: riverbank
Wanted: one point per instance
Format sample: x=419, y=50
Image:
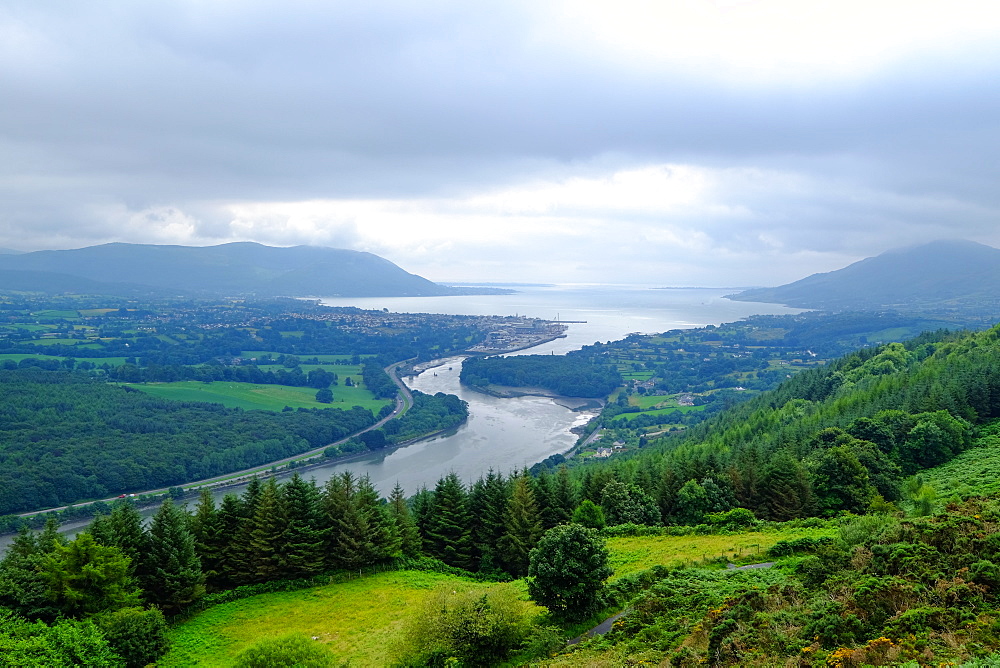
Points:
x=576, y=404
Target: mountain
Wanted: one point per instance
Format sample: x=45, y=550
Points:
x=961, y=276
x=242, y=268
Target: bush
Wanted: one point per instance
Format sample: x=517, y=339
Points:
x=478, y=628
x=290, y=651
x=138, y=636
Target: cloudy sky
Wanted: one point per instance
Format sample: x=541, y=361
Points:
x=670, y=142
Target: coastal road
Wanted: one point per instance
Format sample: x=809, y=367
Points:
x=404, y=399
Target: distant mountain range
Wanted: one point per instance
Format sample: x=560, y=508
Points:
x=233, y=269
x=958, y=276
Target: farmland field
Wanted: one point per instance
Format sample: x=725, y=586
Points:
x=250, y=396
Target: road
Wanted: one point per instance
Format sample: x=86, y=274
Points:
x=403, y=402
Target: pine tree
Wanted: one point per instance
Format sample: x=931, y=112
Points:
x=174, y=578
x=23, y=588
x=406, y=527
x=564, y=496
x=267, y=534
x=230, y=518
x=304, y=530
x=488, y=504
x=786, y=488
x=209, y=540
x=523, y=527
x=240, y=555
x=448, y=528
x=87, y=578
x=347, y=539
x=383, y=539
x=422, y=506
x=124, y=528
x=545, y=498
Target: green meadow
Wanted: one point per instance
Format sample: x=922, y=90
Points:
x=359, y=620
x=250, y=396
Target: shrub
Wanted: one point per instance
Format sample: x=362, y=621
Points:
x=290, y=651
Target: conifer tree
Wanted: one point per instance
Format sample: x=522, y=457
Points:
x=304, y=530
x=174, y=578
x=448, y=529
x=347, y=539
x=230, y=518
x=488, y=504
x=267, y=534
x=209, y=539
x=124, y=528
x=422, y=506
x=564, y=496
x=523, y=527
x=406, y=527
x=786, y=488
x=87, y=578
x=382, y=537
x=23, y=588
x=240, y=555
x=545, y=498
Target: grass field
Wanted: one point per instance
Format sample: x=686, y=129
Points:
x=630, y=555
x=359, y=620
x=260, y=397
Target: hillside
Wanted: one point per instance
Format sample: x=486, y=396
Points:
x=229, y=269
x=943, y=276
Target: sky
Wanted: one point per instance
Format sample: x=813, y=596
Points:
x=670, y=142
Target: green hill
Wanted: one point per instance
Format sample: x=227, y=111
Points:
x=940, y=276
x=229, y=269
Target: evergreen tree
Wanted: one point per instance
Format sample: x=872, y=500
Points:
x=448, y=531
x=86, y=578
x=124, y=528
x=422, y=505
x=406, y=527
x=230, y=518
x=304, y=534
x=209, y=539
x=488, y=504
x=347, y=539
x=267, y=535
x=174, y=578
x=545, y=498
x=564, y=496
x=785, y=488
x=240, y=556
x=523, y=527
x=23, y=588
x=382, y=538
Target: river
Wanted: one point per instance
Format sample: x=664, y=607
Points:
x=508, y=434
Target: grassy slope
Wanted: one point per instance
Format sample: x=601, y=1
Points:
x=265, y=397
x=360, y=620
x=629, y=555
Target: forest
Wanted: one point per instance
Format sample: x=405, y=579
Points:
x=65, y=436
x=569, y=375
x=840, y=446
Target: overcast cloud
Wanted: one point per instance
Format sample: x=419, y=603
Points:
x=668, y=142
